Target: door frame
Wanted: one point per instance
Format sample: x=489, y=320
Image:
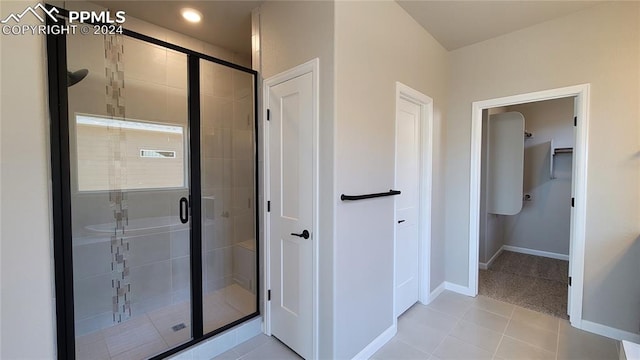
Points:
x=313, y=67
x=579, y=186
x=405, y=92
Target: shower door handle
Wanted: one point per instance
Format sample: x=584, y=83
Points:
x=184, y=210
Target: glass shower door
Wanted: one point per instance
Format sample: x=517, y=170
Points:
x=128, y=127
x=229, y=253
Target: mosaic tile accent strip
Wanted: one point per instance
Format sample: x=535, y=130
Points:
x=115, y=101
x=114, y=71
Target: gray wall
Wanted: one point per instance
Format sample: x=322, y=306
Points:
x=26, y=261
x=292, y=33
x=600, y=46
x=377, y=44
x=361, y=272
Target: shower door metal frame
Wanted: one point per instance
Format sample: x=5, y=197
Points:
x=61, y=189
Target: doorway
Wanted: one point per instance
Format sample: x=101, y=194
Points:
x=525, y=204
x=413, y=176
x=291, y=188
x=578, y=187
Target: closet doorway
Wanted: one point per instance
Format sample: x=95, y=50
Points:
x=520, y=254
x=525, y=207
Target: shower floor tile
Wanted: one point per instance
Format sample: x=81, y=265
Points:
x=152, y=333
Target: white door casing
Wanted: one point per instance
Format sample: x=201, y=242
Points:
x=409, y=101
x=291, y=192
x=407, y=204
x=578, y=186
x=574, y=173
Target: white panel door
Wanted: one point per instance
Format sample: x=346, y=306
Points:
x=291, y=190
x=407, y=204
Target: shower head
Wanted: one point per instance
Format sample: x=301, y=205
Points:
x=76, y=76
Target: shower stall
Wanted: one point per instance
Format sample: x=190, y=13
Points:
x=154, y=162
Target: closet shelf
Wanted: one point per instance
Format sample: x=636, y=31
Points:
x=557, y=151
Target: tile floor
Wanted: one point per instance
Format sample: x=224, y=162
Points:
x=459, y=327
x=261, y=347
x=151, y=333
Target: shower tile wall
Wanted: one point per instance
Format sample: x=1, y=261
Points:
x=155, y=90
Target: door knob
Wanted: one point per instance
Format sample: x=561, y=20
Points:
x=304, y=235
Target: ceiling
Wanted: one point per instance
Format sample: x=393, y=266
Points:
x=224, y=23
x=453, y=23
x=460, y=23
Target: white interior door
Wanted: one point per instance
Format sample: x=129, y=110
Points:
x=291, y=217
x=407, y=204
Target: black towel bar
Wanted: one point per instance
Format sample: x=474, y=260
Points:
x=344, y=197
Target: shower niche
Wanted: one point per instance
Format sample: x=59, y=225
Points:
x=154, y=167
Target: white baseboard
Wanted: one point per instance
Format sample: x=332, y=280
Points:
x=535, y=252
x=445, y=285
x=437, y=291
x=608, y=331
x=463, y=290
x=377, y=343
x=485, y=266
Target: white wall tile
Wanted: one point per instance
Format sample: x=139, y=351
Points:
x=150, y=280
x=145, y=100
x=177, y=106
x=145, y=28
x=179, y=243
x=185, y=41
x=218, y=52
x=244, y=227
x=92, y=324
x=242, y=84
x=222, y=81
x=91, y=260
x=181, y=273
x=243, y=113
x=242, y=141
x=92, y=296
x=144, y=61
x=176, y=69
x=147, y=249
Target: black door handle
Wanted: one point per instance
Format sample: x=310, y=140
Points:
x=184, y=210
x=400, y=221
x=304, y=235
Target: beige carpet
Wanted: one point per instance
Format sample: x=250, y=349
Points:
x=533, y=282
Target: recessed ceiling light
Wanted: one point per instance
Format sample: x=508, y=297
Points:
x=191, y=15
